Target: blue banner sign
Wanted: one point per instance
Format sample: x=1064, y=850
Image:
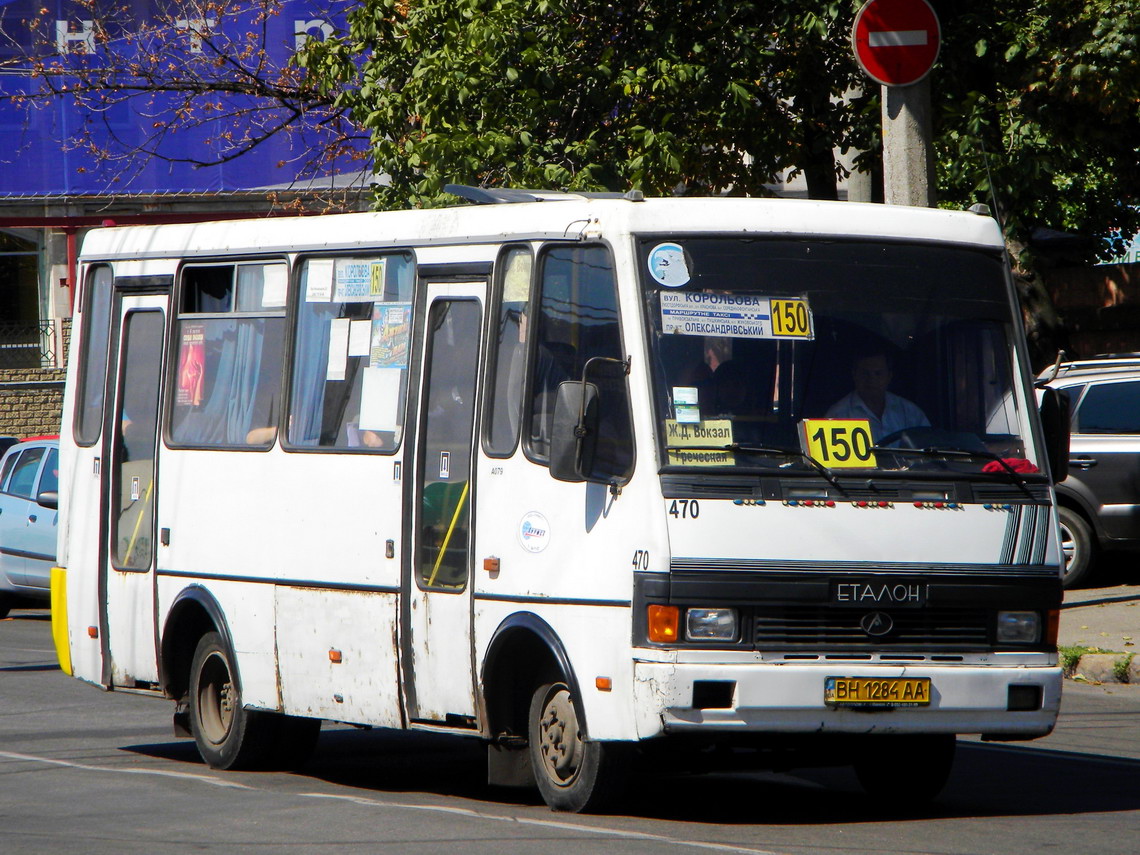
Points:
x=142, y=134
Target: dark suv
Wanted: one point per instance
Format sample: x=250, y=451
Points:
x=1100, y=499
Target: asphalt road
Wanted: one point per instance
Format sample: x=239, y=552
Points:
x=83, y=771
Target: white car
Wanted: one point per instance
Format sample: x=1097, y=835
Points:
x=29, y=484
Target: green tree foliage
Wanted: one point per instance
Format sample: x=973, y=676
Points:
x=1035, y=101
x=1038, y=105
x=704, y=95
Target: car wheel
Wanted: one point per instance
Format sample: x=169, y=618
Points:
x=1078, y=546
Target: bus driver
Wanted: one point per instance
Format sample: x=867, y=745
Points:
x=886, y=411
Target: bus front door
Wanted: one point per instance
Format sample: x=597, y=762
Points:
x=439, y=681
x=128, y=486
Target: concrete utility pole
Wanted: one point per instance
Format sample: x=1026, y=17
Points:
x=896, y=43
x=908, y=161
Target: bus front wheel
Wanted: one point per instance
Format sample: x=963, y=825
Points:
x=573, y=774
x=227, y=735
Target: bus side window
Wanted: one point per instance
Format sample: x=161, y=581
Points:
x=504, y=406
x=96, y=319
x=229, y=338
x=349, y=374
x=577, y=319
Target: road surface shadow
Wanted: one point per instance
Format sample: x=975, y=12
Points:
x=987, y=780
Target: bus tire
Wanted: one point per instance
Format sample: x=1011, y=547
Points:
x=905, y=771
x=227, y=735
x=573, y=774
x=1078, y=545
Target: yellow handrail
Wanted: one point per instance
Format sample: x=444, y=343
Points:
x=450, y=529
x=138, y=523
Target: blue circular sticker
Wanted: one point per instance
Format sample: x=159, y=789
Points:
x=667, y=265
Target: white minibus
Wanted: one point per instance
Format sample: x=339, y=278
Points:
x=600, y=481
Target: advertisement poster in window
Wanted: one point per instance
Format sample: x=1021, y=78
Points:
x=191, y=365
x=391, y=329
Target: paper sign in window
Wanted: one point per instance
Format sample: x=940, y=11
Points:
x=338, y=348
x=359, y=280
x=319, y=281
x=274, y=286
x=359, y=338
x=380, y=398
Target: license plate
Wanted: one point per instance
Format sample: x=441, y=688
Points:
x=877, y=691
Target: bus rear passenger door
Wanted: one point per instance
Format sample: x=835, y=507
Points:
x=129, y=493
x=437, y=657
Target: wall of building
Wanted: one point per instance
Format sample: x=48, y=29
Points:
x=1099, y=306
x=31, y=399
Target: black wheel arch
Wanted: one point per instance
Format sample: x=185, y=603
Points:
x=1078, y=504
x=524, y=652
x=193, y=613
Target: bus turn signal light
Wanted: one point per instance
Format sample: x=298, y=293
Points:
x=663, y=623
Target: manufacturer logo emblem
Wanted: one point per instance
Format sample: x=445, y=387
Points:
x=876, y=624
x=534, y=532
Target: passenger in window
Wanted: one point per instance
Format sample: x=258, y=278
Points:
x=887, y=412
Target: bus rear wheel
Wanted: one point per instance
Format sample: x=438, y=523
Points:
x=572, y=773
x=227, y=735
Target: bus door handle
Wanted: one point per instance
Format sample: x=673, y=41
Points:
x=31, y=518
x=1083, y=462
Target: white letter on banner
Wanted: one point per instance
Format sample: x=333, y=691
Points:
x=77, y=41
x=196, y=26
x=304, y=30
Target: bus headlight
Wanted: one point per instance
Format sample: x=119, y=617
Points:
x=1018, y=627
x=710, y=625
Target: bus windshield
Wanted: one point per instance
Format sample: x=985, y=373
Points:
x=847, y=357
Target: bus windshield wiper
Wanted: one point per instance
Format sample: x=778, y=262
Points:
x=960, y=454
x=827, y=474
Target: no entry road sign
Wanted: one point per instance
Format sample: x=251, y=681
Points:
x=896, y=41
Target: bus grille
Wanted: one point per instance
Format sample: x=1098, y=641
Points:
x=809, y=626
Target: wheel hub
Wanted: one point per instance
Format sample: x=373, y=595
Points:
x=560, y=741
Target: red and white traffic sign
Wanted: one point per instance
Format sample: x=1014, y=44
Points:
x=896, y=41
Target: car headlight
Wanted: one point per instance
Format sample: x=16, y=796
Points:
x=1018, y=627
x=710, y=625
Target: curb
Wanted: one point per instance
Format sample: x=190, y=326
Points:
x=1106, y=668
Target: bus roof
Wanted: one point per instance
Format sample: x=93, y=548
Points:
x=567, y=216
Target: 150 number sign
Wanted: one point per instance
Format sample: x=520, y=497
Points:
x=839, y=443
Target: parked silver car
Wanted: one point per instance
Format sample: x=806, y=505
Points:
x=29, y=484
x=1100, y=499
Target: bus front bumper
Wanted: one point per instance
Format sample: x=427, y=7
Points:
x=1001, y=702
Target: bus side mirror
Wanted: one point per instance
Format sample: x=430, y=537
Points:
x=574, y=432
x=1054, y=409
x=48, y=499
